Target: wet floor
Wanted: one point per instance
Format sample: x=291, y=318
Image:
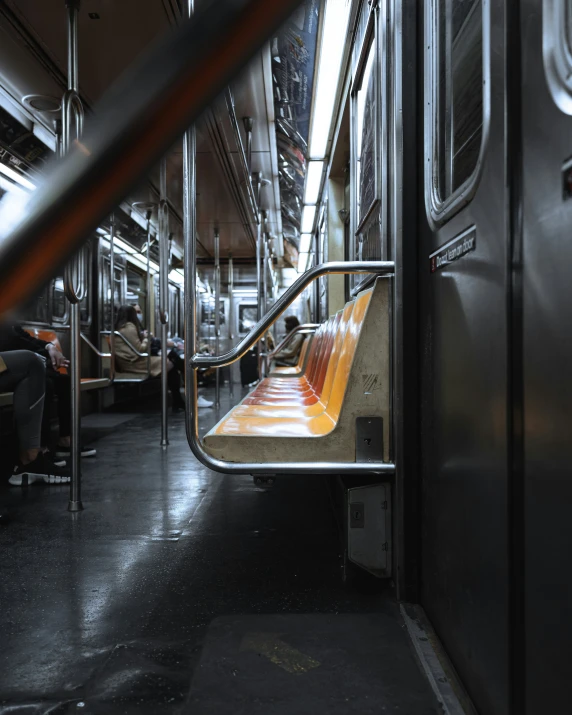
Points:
x=178, y=590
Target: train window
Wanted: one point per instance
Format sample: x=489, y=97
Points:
x=137, y=291
x=36, y=310
x=365, y=144
x=557, y=50
x=85, y=304
x=59, y=302
x=247, y=313
x=457, y=100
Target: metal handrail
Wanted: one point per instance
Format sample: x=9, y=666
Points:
x=130, y=345
x=88, y=342
x=305, y=329
x=288, y=297
x=191, y=409
x=139, y=119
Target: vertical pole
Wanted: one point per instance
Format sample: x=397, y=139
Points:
x=76, y=271
x=265, y=298
x=190, y=267
x=164, y=295
x=149, y=288
x=217, y=312
x=112, y=301
x=231, y=317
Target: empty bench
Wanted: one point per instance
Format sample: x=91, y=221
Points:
x=320, y=415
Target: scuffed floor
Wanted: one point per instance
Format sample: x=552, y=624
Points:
x=179, y=590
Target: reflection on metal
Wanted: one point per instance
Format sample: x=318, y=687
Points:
x=244, y=161
x=74, y=275
x=112, y=301
x=230, y=316
x=217, y=311
x=248, y=126
x=163, y=296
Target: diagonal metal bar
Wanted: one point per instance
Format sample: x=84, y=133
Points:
x=151, y=105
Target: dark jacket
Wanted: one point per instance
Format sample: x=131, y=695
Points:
x=14, y=337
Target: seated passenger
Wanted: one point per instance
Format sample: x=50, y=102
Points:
x=176, y=355
x=288, y=356
x=14, y=337
x=127, y=361
x=23, y=373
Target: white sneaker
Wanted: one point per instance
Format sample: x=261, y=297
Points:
x=201, y=402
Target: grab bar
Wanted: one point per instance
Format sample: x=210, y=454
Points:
x=305, y=329
x=88, y=342
x=335, y=267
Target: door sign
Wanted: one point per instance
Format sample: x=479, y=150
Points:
x=454, y=249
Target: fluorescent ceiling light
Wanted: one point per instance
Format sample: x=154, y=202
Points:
x=302, y=262
x=176, y=276
x=120, y=243
x=15, y=177
x=334, y=30
x=308, y=215
x=313, y=181
x=305, y=241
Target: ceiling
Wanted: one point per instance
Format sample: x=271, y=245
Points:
x=33, y=60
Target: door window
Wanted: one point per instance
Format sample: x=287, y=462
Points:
x=457, y=99
x=557, y=50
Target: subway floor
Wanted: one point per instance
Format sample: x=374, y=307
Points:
x=179, y=590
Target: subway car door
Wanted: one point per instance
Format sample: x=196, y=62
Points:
x=463, y=284
x=546, y=38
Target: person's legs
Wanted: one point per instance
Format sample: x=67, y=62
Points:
x=62, y=388
x=25, y=376
x=174, y=383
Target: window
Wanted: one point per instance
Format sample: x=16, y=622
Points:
x=59, y=302
x=557, y=50
x=36, y=310
x=365, y=146
x=246, y=317
x=137, y=292
x=457, y=94
x=117, y=298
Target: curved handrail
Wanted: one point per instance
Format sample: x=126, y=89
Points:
x=288, y=297
x=130, y=345
x=305, y=329
x=98, y=352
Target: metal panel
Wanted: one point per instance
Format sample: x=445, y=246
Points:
x=547, y=347
x=369, y=528
x=464, y=387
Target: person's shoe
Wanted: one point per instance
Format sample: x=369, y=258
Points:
x=42, y=469
x=65, y=452
x=56, y=461
x=202, y=402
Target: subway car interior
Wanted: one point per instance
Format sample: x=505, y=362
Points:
x=285, y=342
